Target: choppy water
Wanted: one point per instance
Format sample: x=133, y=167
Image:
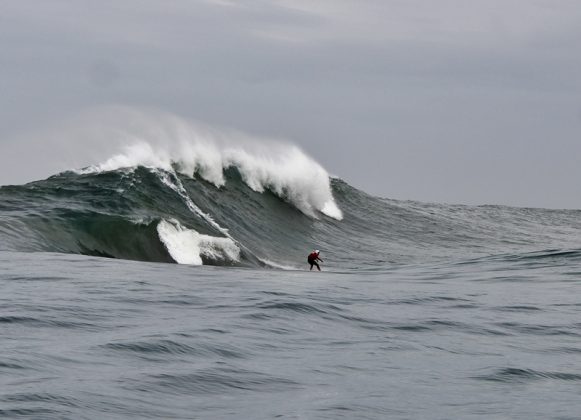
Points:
x=423, y=311
x=86, y=337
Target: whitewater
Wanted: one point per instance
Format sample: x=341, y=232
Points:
x=169, y=280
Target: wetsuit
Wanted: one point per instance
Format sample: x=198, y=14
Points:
x=312, y=259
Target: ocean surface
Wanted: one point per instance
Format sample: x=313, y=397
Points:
x=179, y=289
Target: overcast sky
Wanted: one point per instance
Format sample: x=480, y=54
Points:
x=461, y=101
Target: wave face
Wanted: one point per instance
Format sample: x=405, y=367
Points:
x=162, y=215
x=243, y=203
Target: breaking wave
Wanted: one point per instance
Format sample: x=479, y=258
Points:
x=186, y=246
x=198, y=197
x=178, y=145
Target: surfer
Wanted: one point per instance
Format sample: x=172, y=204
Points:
x=313, y=258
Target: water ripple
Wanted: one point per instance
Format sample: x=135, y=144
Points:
x=512, y=375
x=175, y=348
x=212, y=381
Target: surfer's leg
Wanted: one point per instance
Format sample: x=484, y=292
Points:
x=318, y=268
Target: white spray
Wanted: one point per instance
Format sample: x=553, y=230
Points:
x=166, y=141
x=186, y=246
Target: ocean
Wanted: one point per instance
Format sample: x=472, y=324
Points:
x=173, y=289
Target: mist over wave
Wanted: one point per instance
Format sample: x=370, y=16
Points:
x=165, y=141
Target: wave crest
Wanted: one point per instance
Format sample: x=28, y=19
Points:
x=176, y=144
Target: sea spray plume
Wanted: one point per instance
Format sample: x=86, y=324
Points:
x=169, y=142
x=289, y=174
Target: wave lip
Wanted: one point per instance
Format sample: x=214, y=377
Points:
x=176, y=144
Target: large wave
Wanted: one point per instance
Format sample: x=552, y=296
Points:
x=177, y=193
x=166, y=167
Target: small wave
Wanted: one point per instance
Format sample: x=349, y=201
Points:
x=38, y=322
x=8, y=365
x=37, y=413
x=426, y=299
x=175, y=348
x=541, y=330
x=217, y=381
x=165, y=346
x=429, y=326
x=516, y=375
x=42, y=397
x=533, y=257
x=570, y=350
x=299, y=307
x=550, y=254
x=517, y=308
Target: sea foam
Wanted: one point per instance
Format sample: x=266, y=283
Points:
x=171, y=143
x=186, y=246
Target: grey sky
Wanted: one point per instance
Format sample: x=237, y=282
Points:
x=463, y=101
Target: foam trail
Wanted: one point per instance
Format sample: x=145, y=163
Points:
x=178, y=187
x=273, y=264
x=186, y=246
x=176, y=144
